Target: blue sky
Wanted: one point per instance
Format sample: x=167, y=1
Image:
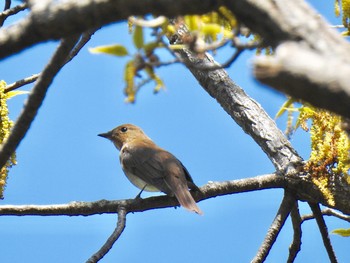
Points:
x=62, y=159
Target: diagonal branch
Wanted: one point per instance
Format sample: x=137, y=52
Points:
x=83, y=40
x=294, y=248
x=244, y=110
x=35, y=99
x=324, y=231
x=112, y=239
x=22, y=82
x=286, y=206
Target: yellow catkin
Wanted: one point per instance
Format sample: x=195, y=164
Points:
x=129, y=74
x=329, y=160
x=337, y=8
x=345, y=4
x=5, y=127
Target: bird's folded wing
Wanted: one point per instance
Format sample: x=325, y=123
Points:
x=146, y=164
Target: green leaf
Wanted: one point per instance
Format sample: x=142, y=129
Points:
x=284, y=107
x=116, y=50
x=342, y=232
x=138, y=37
x=11, y=94
x=151, y=46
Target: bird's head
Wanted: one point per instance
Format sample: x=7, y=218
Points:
x=125, y=133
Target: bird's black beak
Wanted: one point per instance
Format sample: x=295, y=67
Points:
x=106, y=135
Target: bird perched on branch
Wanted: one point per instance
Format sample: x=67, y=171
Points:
x=150, y=167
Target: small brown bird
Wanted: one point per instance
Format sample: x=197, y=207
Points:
x=150, y=167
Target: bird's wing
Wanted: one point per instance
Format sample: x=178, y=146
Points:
x=145, y=163
x=162, y=170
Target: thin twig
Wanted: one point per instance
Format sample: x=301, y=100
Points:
x=7, y=4
x=83, y=40
x=327, y=212
x=36, y=98
x=276, y=226
x=324, y=231
x=85, y=37
x=294, y=248
x=11, y=11
x=227, y=64
x=240, y=47
x=112, y=239
x=22, y=82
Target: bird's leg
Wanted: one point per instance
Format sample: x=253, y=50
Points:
x=139, y=194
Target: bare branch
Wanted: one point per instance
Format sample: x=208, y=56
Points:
x=210, y=190
x=324, y=231
x=327, y=212
x=9, y=12
x=276, y=226
x=293, y=184
x=112, y=239
x=22, y=82
x=35, y=99
x=294, y=248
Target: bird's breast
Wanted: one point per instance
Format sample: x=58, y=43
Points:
x=138, y=182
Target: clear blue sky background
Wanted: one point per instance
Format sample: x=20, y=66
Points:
x=62, y=159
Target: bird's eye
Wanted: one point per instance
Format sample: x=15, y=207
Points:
x=124, y=129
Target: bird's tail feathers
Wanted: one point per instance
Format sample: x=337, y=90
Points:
x=186, y=200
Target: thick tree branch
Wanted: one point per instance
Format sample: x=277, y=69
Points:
x=308, y=75
x=316, y=68
x=35, y=99
x=50, y=20
x=275, y=20
x=276, y=226
x=324, y=231
x=244, y=110
x=112, y=239
x=294, y=248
